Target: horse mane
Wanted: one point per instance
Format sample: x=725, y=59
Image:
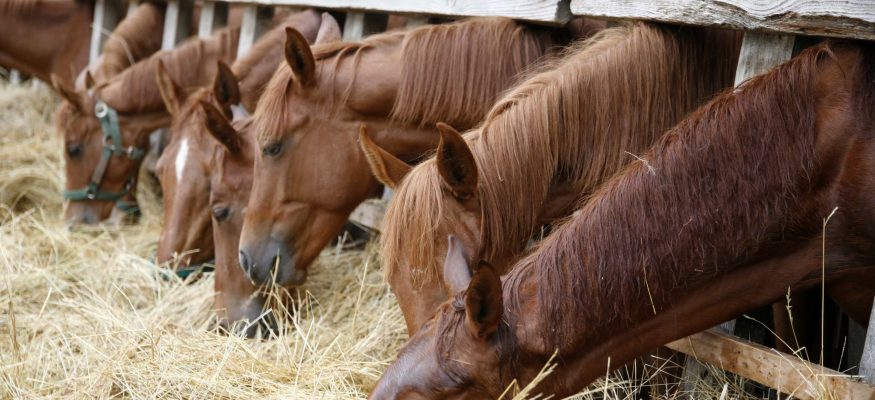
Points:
x=191, y=64
x=255, y=69
x=431, y=89
x=453, y=73
x=571, y=124
x=136, y=37
x=712, y=190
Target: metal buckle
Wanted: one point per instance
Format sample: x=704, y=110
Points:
x=100, y=109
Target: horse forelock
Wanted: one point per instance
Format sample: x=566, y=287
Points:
x=744, y=161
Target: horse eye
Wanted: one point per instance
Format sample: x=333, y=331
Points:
x=221, y=213
x=273, y=149
x=74, y=149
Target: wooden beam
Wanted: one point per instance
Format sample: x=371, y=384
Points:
x=177, y=22
x=835, y=18
x=786, y=373
x=132, y=5
x=107, y=14
x=867, y=363
x=213, y=16
x=369, y=214
x=415, y=21
x=360, y=25
x=552, y=12
x=256, y=21
x=760, y=52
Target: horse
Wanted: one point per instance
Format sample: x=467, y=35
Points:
x=756, y=192
x=184, y=168
x=102, y=162
x=309, y=174
x=556, y=137
x=41, y=37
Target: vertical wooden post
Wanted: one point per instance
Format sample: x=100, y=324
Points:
x=759, y=53
x=132, y=5
x=415, y=21
x=360, y=25
x=177, y=22
x=867, y=363
x=15, y=77
x=256, y=20
x=213, y=15
x=107, y=14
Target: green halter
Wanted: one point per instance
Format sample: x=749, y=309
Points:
x=112, y=146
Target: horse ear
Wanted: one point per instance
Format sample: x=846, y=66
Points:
x=456, y=163
x=225, y=86
x=171, y=93
x=90, y=83
x=457, y=272
x=220, y=128
x=67, y=92
x=483, y=303
x=388, y=169
x=299, y=57
x=329, y=30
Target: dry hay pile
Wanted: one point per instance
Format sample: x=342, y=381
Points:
x=84, y=314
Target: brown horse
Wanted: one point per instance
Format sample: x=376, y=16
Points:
x=137, y=37
x=184, y=168
x=309, y=172
x=45, y=37
x=556, y=137
x=725, y=213
x=136, y=99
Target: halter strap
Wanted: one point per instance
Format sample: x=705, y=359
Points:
x=112, y=146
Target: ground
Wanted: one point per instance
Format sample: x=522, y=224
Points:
x=86, y=314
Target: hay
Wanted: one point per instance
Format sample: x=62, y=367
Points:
x=84, y=314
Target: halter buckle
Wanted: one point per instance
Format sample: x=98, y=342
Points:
x=100, y=109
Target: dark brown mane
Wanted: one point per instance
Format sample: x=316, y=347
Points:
x=191, y=64
x=744, y=158
x=572, y=124
x=135, y=38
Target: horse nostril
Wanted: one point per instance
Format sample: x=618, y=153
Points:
x=244, y=262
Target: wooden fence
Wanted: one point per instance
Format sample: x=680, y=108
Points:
x=770, y=31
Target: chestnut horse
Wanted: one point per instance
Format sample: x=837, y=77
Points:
x=725, y=213
x=309, y=173
x=99, y=185
x=42, y=37
x=543, y=148
x=184, y=168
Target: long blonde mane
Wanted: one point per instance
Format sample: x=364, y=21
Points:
x=573, y=123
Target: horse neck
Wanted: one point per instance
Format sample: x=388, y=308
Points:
x=563, y=132
x=192, y=64
x=643, y=255
x=136, y=37
x=65, y=54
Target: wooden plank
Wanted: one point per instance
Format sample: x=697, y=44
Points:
x=760, y=52
x=132, y=5
x=369, y=214
x=835, y=18
x=213, y=16
x=360, y=25
x=552, y=12
x=415, y=21
x=786, y=373
x=256, y=21
x=867, y=363
x=107, y=14
x=177, y=22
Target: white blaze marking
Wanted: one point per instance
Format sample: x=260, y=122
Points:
x=181, y=157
